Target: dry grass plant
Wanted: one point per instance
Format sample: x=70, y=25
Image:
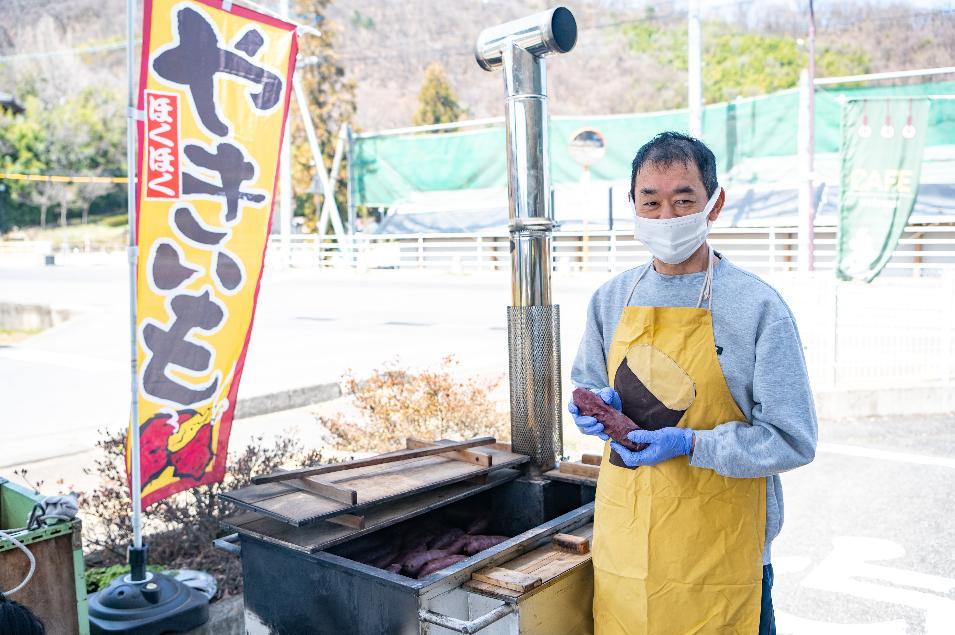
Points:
x=394, y=403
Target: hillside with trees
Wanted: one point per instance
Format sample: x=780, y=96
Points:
x=383, y=64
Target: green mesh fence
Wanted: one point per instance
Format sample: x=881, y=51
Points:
x=391, y=168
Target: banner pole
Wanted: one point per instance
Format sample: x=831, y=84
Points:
x=286, y=210
x=137, y=564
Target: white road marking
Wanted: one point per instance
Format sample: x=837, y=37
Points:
x=849, y=563
x=886, y=455
x=788, y=624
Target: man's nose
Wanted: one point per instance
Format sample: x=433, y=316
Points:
x=667, y=211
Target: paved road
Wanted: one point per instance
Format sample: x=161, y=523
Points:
x=310, y=327
x=868, y=545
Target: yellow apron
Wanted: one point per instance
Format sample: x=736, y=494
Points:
x=676, y=549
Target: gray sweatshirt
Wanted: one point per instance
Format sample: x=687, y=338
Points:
x=761, y=357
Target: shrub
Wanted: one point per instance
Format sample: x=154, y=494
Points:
x=395, y=403
x=99, y=577
x=181, y=528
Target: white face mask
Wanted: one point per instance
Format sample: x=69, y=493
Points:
x=674, y=240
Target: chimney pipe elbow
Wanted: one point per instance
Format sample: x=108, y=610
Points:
x=550, y=32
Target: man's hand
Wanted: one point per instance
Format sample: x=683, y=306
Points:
x=589, y=425
x=663, y=444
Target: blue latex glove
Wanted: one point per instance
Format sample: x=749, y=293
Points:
x=589, y=425
x=664, y=444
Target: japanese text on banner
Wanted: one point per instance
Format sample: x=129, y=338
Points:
x=214, y=92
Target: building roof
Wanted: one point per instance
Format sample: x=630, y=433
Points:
x=9, y=102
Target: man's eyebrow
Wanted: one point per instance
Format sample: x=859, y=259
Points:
x=683, y=189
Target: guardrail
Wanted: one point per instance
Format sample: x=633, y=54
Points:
x=927, y=250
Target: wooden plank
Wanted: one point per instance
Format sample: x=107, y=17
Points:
x=579, y=469
x=502, y=593
x=572, y=544
x=560, y=566
x=324, y=534
x=374, y=485
x=591, y=459
x=51, y=593
x=328, y=490
x=514, y=580
x=349, y=520
x=574, y=479
x=547, y=562
x=251, y=495
x=535, y=560
x=468, y=456
x=380, y=459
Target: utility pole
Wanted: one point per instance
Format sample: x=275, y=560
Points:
x=285, y=180
x=807, y=198
x=694, y=69
x=812, y=136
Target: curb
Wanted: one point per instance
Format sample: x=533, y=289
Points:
x=286, y=400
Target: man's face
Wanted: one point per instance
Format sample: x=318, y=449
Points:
x=670, y=191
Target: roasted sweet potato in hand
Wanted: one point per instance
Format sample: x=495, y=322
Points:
x=616, y=424
x=439, y=563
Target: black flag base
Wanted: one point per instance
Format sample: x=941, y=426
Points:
x=146, y=603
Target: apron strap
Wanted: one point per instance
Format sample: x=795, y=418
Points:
x=637, y=281
x=706, y=292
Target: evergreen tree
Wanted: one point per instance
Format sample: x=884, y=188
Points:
x=437, y=102
x=331, y=102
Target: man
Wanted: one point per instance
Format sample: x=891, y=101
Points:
x=706, y=359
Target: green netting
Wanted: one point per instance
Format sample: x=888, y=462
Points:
x=391, y=168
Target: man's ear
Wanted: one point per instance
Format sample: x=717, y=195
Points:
x=718, y=207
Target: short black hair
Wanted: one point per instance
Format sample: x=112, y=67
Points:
x=671, y=147
x=16, y=618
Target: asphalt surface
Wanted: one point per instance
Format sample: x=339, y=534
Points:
x=868, y=544
x=64, y=384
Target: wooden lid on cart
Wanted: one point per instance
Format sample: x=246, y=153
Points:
x=315, y=508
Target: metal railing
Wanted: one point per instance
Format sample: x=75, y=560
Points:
x=927, y=250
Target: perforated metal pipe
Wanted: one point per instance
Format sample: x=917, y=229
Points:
x=533, y=322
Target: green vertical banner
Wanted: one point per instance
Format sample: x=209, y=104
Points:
x=882, y=142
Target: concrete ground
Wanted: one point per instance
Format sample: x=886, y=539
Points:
x=868, y=545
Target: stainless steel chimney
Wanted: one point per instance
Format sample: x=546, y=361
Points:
x=533, y=324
